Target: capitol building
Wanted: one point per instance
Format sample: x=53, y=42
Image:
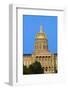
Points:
x=41, y=54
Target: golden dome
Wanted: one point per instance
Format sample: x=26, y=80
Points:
x=41, y=34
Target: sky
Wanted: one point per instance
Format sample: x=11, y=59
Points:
x=31, y=26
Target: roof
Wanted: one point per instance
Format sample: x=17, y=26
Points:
x=27, y=54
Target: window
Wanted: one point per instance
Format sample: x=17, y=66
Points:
x=49, y=68
x=46, y=68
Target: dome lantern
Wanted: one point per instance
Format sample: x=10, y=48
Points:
x=41, y=28
x=41, y=34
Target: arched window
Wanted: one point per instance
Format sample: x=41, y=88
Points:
x=46, y=68
x=49, y=68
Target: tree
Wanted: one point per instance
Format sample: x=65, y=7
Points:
x=34, y=68
x=55, y=70
x=25, y=69
x=37, y=68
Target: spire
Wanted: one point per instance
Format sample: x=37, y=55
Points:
x=41, y=28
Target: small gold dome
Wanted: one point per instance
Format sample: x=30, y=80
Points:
x=41, y=34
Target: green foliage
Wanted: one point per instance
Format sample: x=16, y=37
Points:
x=55, y=70
x=25, y=70
x=34, y=68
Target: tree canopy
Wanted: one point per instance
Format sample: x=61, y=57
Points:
x=34, y=68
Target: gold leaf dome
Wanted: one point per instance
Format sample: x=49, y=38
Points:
x=41, y=34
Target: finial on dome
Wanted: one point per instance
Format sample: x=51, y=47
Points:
x=41, y=28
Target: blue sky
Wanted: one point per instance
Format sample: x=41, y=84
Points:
x=32, y=27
